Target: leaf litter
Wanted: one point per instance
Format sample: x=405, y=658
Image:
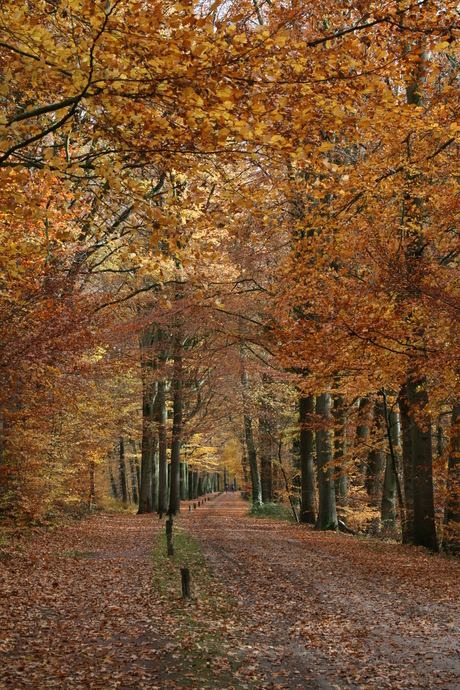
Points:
x=273, y=605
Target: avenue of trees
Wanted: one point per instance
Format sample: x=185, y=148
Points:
x=230, y=249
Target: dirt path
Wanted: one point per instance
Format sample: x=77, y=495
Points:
x=333, y=611
x=77, y=610
x=292, y=609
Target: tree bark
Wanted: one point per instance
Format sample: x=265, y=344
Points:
x=149, y=392
x=252, y=455
x=155, y=469
x=308, y=489
x=134, y=484
x=174, y=495
x=452, y=513
x=162, y=450
x=327, y=512
x=340, y=450
x=362, y=432
x=406, y=438
x=422, y=465
x=145, y=491
x=122, y=471
x=266, y=464
x=375, y=461
x=113, y=483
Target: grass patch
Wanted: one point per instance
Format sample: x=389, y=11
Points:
x=211, y=640
x=274, y=511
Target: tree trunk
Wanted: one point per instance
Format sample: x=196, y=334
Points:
x=340, y=450
x=149, y=392
x=113, y=483
x=92, y=488
x=327, y=513
x=362, y=432
x=134, y=485
x=122, y=471
x=265, y=446
x=253, y=466
x=388, y=513
x=452, y=513
x=162, y=450
x=406, y=437
x=174, y=495
x=375, y=462
x=307, y=507
x=422, y=466
x=145, y=491
x=155, y=469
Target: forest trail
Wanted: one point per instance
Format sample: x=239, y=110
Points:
x=332, y=611
x=79, y=609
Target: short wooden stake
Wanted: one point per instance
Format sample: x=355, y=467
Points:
x=190, y=509
x=194, y=506
x=169, y=536
x=185, y=575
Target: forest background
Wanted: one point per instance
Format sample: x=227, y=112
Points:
x=229, y=243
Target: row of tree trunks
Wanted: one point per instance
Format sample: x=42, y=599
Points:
x=410, y=448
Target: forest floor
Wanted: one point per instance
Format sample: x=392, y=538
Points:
x=97, y=604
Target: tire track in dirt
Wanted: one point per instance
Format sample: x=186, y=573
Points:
x=333, y=611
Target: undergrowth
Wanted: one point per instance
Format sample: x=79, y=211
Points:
x=210, y=639
x=275, y=511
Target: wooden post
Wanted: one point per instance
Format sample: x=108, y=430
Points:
x=185, y=575
x=194, y=506
x=190, y=509
x=169, y=536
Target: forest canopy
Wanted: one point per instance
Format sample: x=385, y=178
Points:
x=230, y=247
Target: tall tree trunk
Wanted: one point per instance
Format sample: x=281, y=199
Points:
x=122, y=471
x=162, y=450
x=452, y=513
x=340, y=450
x=422, y=466
x=92, y=488
x=406, y=438
x=183, y=481
x=362, y=432
x=113, y=483
x=391, y=483
x=388, y=510
x=134, y=484
x=149, y=392
x=145, y=491
x=375, y=461
x=174, y=495
x=327, y=513
x=265, y=448
x=307, y=507
x=250, y=445
x=155, y=470
x=422, y=453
